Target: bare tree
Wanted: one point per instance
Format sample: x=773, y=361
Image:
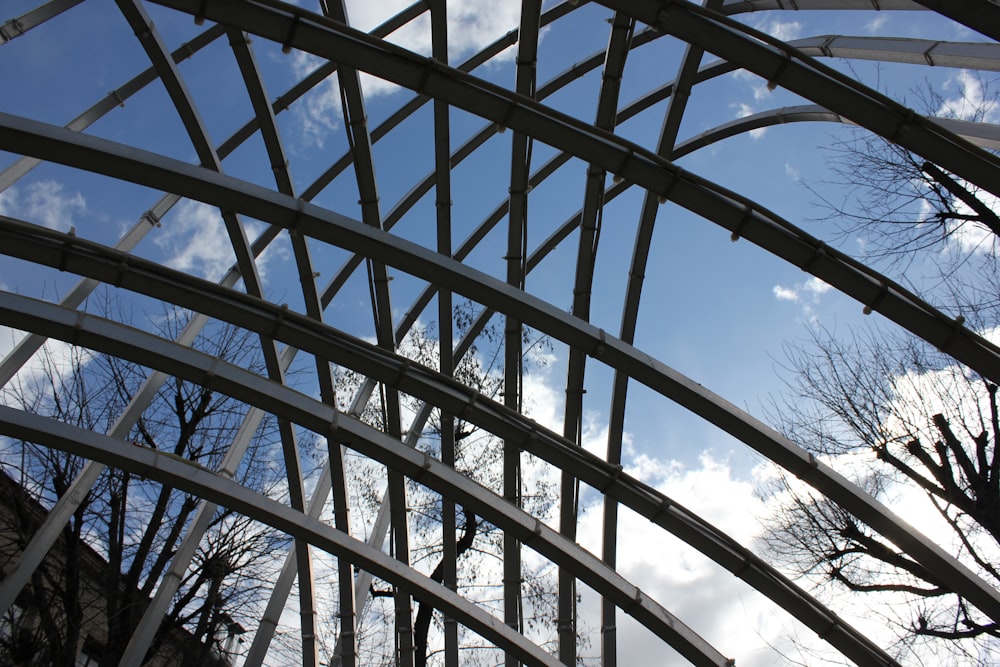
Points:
x=479, y=544
x=896, y=205
x=904, y=421
x=92, y=589
x=901, y=418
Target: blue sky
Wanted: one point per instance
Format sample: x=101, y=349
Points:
x=717, y=311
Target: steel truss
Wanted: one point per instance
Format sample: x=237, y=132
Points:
x=240, y=298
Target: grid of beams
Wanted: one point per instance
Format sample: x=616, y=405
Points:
x=239, y=298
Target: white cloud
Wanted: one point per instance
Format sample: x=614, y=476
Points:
x=742, y=111
x=792, y=172
x=808, y=294
x=783, y=30
x=45, y=203
x=785, y=293
x=195, y=240
x=967, y=236
x=33, y=384
x=875, y=25
x=7, y=199
x=471, y=26
x=813, y=288
x=542, y=402
x=816, y=287
x=738, y=621
x=9, y=338
x=916, y=396
x=970, y=101
x=758, y=86
x=319, y=111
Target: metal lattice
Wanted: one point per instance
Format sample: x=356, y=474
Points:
x=442, y=264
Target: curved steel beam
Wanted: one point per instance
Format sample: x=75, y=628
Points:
x=725, y=208
x=447, y=393
x=445, y=318
x=591, y=218
x=360, y=142
x=13, y=28
x=199, y=481
x=681, y=87
x=985, y=135
x=971, y=55
x=183, y=362
x=166, y=68
x=983, y=16
x=742, y=6
x=783, y=65
x=47, y=534
x=132, y=164
x=521, y=145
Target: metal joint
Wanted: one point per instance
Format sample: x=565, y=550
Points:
x=293, y=226
x=747, y=217
x=404, y=368
x=211, y=373
x=927, y=54
x=150, y=216
x=122, y=270
x=661, y=511
x=834, y=625
x=286, y=46
x=824, y=48
x=278, y=321
x=502, y=124
x=811, y=466
x=68, y=242
x=663, y=17
x=818, y=251
x=563, y=625
x=530, y=436
x=601, y=346
x=744, y=567
x=425, y=465
x=199, y=14
x=904, y=125
x=664, y=197
x=775, y=79
x=619, y=173
x=956, y=325
x=78, y=327
x=612, y=478
x=536, y=531
x=636, y=601
x=874, y=303
x=6, y=36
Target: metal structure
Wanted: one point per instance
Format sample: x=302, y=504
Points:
x=443, y=270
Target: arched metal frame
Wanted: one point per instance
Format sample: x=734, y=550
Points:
x=960, y=147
